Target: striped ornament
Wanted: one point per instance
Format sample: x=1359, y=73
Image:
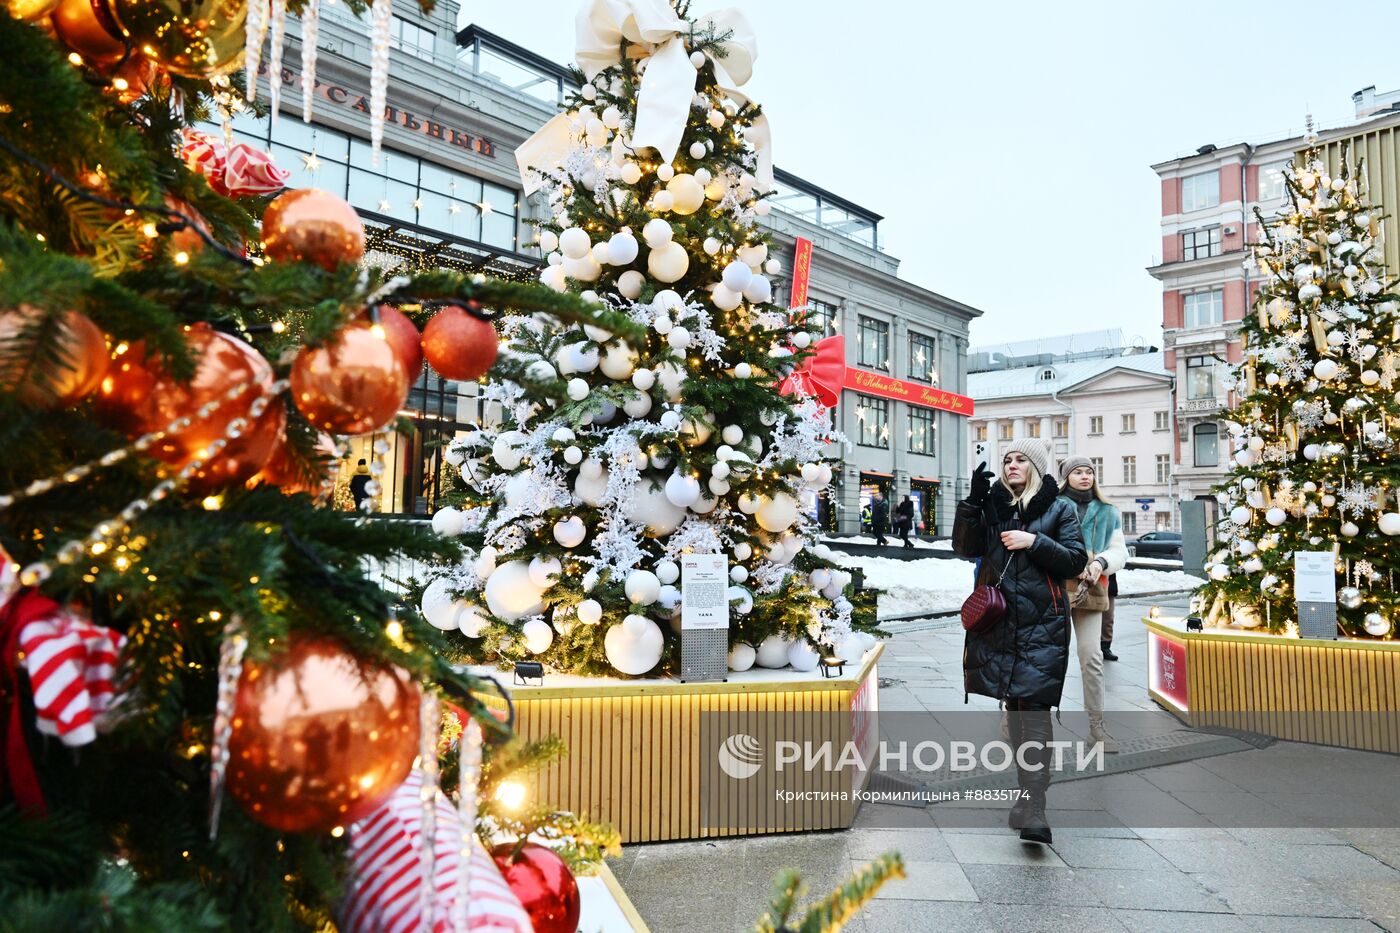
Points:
x=384, y=850
x=71, y=664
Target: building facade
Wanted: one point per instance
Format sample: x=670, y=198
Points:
x=1208, y=203
x=446, y=192
x=1111, y=404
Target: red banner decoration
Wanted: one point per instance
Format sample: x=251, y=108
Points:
x=879, y=384
x=1167, y=670
x=820, y=374
x=801, y=272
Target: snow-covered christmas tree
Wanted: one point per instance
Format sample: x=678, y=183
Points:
x=612, y=458
x=1314, y=437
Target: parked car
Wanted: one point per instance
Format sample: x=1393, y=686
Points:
x=1165, y=544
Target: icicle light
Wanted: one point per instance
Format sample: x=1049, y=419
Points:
x=310, y=31
x=379, y=74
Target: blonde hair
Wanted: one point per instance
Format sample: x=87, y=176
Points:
x=1033, y=484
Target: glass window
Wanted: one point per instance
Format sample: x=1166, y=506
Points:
x=1161, y=421
x=1271, y=185
x=874, y=343
x=1097, y=464
x=1061, y=427
x=1033, y=429
x=1200, y=191
x=1004, y=430
x=921, y=357
x=1129, y=470
x=821, y=317
x=1198, y=244
x=1129, y=522
x=921, y=428
x=1200, y=377
x=1096, y=424
x=980, y=433
x=1203, y=308
x=873, y=414
x=1164, y=468
x=411, y=38
x=1129, y=424
x=1164, y=521
x=518, y=77
x=800, y=203
x=1204, y=439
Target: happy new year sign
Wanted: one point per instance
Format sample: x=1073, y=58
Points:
x=912, y=392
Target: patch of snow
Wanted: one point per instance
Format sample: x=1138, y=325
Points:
x=892, y=540
x=1131, y=582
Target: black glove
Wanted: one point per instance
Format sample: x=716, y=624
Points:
x=981, y=484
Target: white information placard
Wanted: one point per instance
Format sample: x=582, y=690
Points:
x=1314, y=577
x=704, y=591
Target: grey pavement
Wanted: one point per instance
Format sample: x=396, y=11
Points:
x=968, y=872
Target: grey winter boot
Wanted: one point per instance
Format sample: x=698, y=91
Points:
x=1029, y=812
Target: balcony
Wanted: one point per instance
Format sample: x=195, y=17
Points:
x=1200, y=406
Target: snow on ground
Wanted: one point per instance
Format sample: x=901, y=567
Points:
x=892, y=539
x=1156, y=561
x=935, y=585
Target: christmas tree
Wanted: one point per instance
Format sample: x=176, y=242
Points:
x=181, y=342
x=611, y=456
x=1313, y=438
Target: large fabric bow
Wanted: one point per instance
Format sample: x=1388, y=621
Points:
x=668, y=85
x=821, y=375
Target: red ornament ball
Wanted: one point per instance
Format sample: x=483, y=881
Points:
x=353, y=384
x=458, y=345
x=403, y=336
x=543, y=883
x=311, y=225
x=321, y=737
x=139, y=397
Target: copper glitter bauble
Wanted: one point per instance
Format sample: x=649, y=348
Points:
x=458, y=345
x=351, y=385
x=190, y=38
x=132, y=79
x=30, y=10
x=281, y=471
x=543, y=883
x=139, y=397
x=320, y=736
x=87, y=27
x=81, y=347
x=187, y=239
x=310, y=225
x=403, y=336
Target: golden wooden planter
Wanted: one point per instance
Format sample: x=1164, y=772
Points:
x=635, y=758
x=1342, y=692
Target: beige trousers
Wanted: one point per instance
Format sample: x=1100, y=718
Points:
x=1088, y=627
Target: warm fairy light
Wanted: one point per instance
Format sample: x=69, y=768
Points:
x=510, y=794
x=75, y=58
x=149, y=229
x=337, y=831
x=378, y=331
x=181, y=258
x=41, y=238
x=278, y=327
x=213, y=503
x=121, y=563
x=215, y=615
x=120, y=84
x=393, y=630
x=98, y=547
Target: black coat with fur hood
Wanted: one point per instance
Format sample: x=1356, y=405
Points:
x=1025, y=655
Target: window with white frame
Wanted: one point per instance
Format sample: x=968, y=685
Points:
x=979, y=433
x=1164, y=468
x=1033, y=429
x=1200, y=377
x=1129, y=471
x=1129, y=522
x=1200, y=309
x=1164, y=521
x=1097, y=464
x=1200, y=191
x=1096, y=424
x=1205, y=442
x=1129, y=424
x=1271, y=185
x=409, y=37
x=1004, y=430
x=1061, y=427
x=1161, y=421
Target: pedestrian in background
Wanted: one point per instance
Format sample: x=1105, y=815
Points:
x=1103, y=539
x=1029, y=541
x=879, y=518
x=359, y=483
x=904, y=515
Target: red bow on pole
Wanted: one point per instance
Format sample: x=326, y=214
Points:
x=821, y=375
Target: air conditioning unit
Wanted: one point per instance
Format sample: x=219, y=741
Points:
x=1228, y=231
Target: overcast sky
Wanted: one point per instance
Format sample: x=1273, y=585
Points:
x=1008, y=144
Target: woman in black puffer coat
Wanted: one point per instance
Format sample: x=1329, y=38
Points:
x=1029, y=539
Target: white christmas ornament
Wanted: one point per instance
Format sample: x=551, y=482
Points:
x=725, y=298
x=1275, y=516
x=591, y=489
x=573, y=455
x=749, y=503
x=574, y=243
x=778, y=513
x=1244, y=457
x=438, y=606
x=638, y=406
x=741, y=657
x=1376, y=624
x=737, y=275
x=471, y=622
x=672, y=377
x=600, y=253
x=801, y=340
x=711, y=246
x=759, y=290
x=644, y=379
x=773, y=652
x=662, y=200
x=668, y=571
x=571, y=531
x=773, y=266
x=577, y=389
x=537, y=635
x=679, y=338
x=743, y=371
x=741, y=599
x=649, y=507
x=739, y=574
x=1325, y=369
x=668, y=598
x=1350, y=529
x=619, y=361
x=506, y=450
x=687, y=194
x=589, y=612
x=819, y=578
x=631, y=173
x=629, y=284
x=642, y=587
x=802, y=656
x=1219, y=572
x=555, y=278
x=1312, y=451
x=732, y=434
x=548, y=241
x=668, y=262
x=697, y=151
x=511, y=594
x=753, y=255
x=657, y=233
x=634, y=647
x=1389, y=523
x=682, y=489
x=447, y=521
x=1240, y=515
x=544, y=571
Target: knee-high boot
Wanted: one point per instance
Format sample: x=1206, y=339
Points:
x=1035, y=731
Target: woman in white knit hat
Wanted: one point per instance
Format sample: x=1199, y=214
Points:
x=1029, y=542
x=1103, y=537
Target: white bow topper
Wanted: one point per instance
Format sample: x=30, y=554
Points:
x=668, y=85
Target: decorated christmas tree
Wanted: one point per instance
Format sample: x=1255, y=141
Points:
x=610, y=457
x=1313, y=438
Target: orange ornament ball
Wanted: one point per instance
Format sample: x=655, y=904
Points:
x=81, y=347
x=459, y=345
x=353, y=384
x=139, y=397
x=187, y=239
x=311, y=225
x=283, y=471
x=320, y=736
x=403, y=336
x=88, y=28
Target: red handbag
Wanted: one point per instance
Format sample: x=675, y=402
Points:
x=986, y=606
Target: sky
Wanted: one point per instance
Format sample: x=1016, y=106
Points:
x=1008, y=144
